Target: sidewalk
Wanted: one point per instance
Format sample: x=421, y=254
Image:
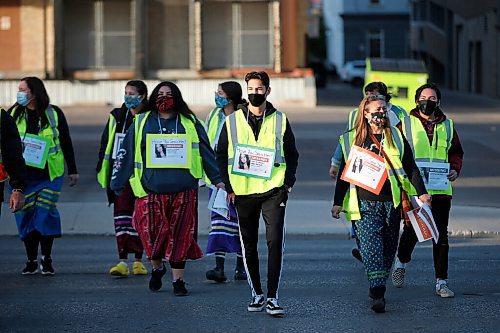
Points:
x=303, y=217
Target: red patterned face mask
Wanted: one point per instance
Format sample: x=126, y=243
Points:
x=164, y=103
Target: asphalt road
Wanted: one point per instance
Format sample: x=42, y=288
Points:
x=323, y=289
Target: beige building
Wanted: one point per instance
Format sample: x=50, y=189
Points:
x=460, y=43
x=123, y=39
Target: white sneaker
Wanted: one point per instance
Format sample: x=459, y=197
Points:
x=443, y=290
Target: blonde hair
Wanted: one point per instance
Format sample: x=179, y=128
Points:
x=361, y=124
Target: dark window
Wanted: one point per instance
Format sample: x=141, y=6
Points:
x=437, y=15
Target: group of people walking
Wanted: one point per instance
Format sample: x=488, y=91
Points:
x=155, y=196
x=402, y=142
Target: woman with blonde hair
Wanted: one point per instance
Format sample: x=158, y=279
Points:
x=376, y=215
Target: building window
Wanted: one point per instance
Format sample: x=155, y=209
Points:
x=168, y=34
x=437, y=15
x=375, y=43
x=236, y=35
x=98, y=34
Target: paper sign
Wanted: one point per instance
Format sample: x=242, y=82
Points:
x=423, y=223
x=435, y=175
x=365, y=169
x=168, y=151
x=119, y=137
x=35, y=150
x=251, y=161
x=218, y=203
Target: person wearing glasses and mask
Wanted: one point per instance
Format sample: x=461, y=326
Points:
x=259, y=130
x=433, y=138
x=120, y=119
x=376, y=215
x=395, y=114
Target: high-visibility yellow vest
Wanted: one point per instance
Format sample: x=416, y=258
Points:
x=395, y=154
x=212, y=127
x=271, y=136
x=55, y=159
x=196, y=167
x=423, y=151
x=103, y=174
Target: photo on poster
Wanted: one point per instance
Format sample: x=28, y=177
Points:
x=251, y=161
x=168, y=151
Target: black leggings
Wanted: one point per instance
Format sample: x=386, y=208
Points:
x=31, y=244
x=249, y=207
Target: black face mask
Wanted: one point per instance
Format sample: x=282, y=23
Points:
x=427, y=106
x=379, y=119
x=256, y=99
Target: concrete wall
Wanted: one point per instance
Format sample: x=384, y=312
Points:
x=300, y=91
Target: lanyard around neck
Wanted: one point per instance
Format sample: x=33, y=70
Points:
x=159, y=123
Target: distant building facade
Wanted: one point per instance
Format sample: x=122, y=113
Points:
x=122, y=39
x=460, y=43
x=357, y=29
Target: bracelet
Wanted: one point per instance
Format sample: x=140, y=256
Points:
x=18, y=190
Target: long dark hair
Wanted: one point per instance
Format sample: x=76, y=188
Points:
x=42, y=100
x=180, y=105
x=233, y=92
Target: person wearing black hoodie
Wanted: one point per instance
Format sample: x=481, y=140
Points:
x=259, y=129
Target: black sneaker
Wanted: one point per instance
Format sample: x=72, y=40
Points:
x=216, y=275
x=356, y=254
x=257, y=304
x=180, y=288
x=156, y=275
x=31, y=268
x=378, y=305
x=240, y=274
x=273, y=308
x=46, y=267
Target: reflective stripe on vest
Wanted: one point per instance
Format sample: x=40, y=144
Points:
x=196, y=168
x=395, y=153
x=423, y=151
x=270, y=136
x=104, y=173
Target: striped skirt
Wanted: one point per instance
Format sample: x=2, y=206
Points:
x=224, y=234
x=40, y=208
x=127, y=238
x=168, y=225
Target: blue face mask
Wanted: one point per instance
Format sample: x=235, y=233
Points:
x=132, y=101
x=22, y=98
x=221, y=101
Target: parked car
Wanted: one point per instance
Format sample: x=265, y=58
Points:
x=353, y=72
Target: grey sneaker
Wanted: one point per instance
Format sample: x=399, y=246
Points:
x=257, y=304
x=398, y=277
x=443, y=291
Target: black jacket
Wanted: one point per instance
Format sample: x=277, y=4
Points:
x=12, y=153
x=289, y=148
x=123, y=122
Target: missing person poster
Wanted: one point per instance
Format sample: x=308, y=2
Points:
x=168, y=151
x=251, y=161
x=365, y=169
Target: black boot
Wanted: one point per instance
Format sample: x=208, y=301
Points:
x=378, y=301
x=156, y=275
